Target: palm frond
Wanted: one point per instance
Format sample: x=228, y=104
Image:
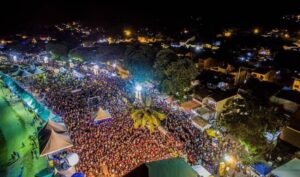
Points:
x=160, y=116
x=137, y=123
x=137, y=114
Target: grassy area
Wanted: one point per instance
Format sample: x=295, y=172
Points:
x=15, y=129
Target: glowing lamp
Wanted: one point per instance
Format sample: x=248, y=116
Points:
x=138, y=88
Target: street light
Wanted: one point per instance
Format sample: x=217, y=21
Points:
x=228, y=158
x=46, y=59
x=15, y=58
x=114, y=65
x=95, y=69
x=127, y=33
x=198, y=48
x=138, y=89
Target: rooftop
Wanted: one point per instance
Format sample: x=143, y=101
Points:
x=262, y=70
x=290, y=95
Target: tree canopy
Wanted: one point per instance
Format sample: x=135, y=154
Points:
x=179, y=75
x=163, y=58
x=58, y=51
x=139, y=60
x=249, y=122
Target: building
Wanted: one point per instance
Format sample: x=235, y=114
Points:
x=190, y=105
x=264, y=74
x=207, y=63
x=262, y=90
x=291, y=133
x=296, y=84
x=223, y=69
x=289, y=99
x=217, y=100
x=212, y=101
x=216, y=80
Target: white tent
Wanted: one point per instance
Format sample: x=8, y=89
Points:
x=57, y=127
x=102, y=115
x=56, y=142
x=290, y=169
x=72, y=159
x=38, y=71
x=201, y=170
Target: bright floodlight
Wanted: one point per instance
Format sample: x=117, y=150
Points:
x=14, y=57
x=114, y=65
x=45, y=59
x=127, y=32
x=228, y=158
x=198, y=48
x=138, y=88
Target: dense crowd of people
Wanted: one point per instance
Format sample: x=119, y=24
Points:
x=115, y=143
x=199, y=147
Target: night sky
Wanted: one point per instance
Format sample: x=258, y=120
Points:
x=28, y=14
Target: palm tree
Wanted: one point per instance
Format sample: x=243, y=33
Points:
x=146, y=117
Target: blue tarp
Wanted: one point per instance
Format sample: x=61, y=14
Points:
x=78, y=174
x=42, y=111
x=262, y=169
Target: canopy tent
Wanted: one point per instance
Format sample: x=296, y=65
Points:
x=163, y=168
x=201, y=171
x=190, y=105
x=262, y=169
x=290, y=169
x=57, y=127
x=102, y=115
x=200, y=123
x=72, y=159
x=51, y=141
x=212, y=133
x=38, y=71
x=21, y=73
x=43, y=112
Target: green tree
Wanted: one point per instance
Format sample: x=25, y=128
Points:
x=249, y=122
x=139, y=60
x=146, y=117
x=77, y=55
x=58, y=51
x=163, y=58
x=179, y=75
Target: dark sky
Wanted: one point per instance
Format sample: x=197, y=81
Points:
x=29, y=14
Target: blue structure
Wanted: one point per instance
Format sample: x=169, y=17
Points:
x=42, y=111
x=78, y=174
x=262, y=169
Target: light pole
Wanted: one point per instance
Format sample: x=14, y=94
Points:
x=46, y=59
x=15, y=58
x=96, y=69
x=114, y=65
x=138, y=89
